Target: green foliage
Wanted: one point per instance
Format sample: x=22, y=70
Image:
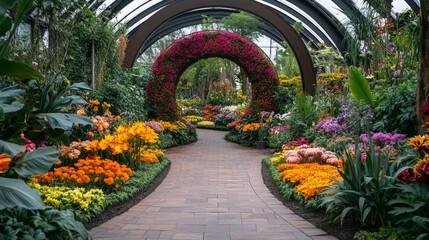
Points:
x=14, y=192
x=20, y=223
x=182, y=136
x=284, y=98
x=395, y=109
x=302, y=117
x=126, y=95
x=365, y=190
x=40, y=108
x=411, y=209
x=92, y=29
x=383, y=234
x=359, y=86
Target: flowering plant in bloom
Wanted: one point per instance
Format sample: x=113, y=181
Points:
x=223, y=119
x=158, y=127
x=92, y=172
x=330, y=127
x=279, y=129
x=421, y=143
x=194, y=118
x=127, y=139
x=206, y=124
x=308, y=154
x=293, y=144
x=310, y=179
x=235, y=123
x=383, y=139
x=64, y=198
x=249, y=127
x=210, y=112
x=182, y=53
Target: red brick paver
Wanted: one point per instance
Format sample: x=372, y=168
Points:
x=214, y=190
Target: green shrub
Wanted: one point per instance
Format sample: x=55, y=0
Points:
x=395, y=109
x=50, y=223
x=365, y=190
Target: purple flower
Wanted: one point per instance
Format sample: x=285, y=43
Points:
x=397, y=73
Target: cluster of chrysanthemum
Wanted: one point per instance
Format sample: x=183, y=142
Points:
x=309, y=178
x=90, y=172
x=420, y=171
x=249, y=127
x=206, y=124
x=67, y=198
x=158, y=127
x=194, y=118
x=310, y=154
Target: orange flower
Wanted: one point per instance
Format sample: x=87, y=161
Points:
x=4, y=162
x=109, y=181
x=80, y=112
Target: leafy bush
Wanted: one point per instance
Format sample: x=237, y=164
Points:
x=395, y=109
x=382, y=234
x=365, y=190
x=302, y=117
x=411, y=209
x=50, y=223
x=126, y=96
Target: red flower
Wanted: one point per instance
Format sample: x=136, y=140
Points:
x=424, y=110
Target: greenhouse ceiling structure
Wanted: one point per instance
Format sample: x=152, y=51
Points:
x=324, y=21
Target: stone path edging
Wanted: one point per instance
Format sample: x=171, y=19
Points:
x=214, y=190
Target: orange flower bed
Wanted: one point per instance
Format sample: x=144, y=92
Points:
x=92, y=171
x=249, y=127
x=309, y=178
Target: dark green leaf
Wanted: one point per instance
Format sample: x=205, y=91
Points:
x=6, y=5
x=14, y=192
x=18, y=69
x=5, y=24
x=10, y=149
x=2, y=117
x=64, y=121
x=37, y=162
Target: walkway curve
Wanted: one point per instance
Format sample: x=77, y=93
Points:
x=214, y=190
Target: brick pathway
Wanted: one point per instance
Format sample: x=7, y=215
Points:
x=214, y=190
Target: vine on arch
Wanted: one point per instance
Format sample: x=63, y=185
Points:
x=173, y=61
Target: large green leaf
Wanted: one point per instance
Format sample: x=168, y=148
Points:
x=6, y=5
x=359, y=86
x=14, y=107
x=14, y=192
x=12, y=91
x=10, y=149
x=5, y=24
x=64, y=121
x=80, y=86
x=18, y=69
x=37, y=162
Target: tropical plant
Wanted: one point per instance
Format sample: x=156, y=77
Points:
x=359, y=86
x=50, y=223
x=366, y=188
x=15, y=192
x=410, y=211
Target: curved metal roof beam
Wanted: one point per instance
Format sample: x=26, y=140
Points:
x=322, y=24
x=195, y=18
x=262, y=11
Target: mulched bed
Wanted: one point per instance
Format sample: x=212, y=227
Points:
x=117, y=209
x=314, y=216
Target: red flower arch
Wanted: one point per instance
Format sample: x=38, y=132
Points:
x=173, y=61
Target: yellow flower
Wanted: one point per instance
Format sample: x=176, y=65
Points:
x=420, y=142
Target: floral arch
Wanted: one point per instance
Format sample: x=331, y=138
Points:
x=173, y=61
